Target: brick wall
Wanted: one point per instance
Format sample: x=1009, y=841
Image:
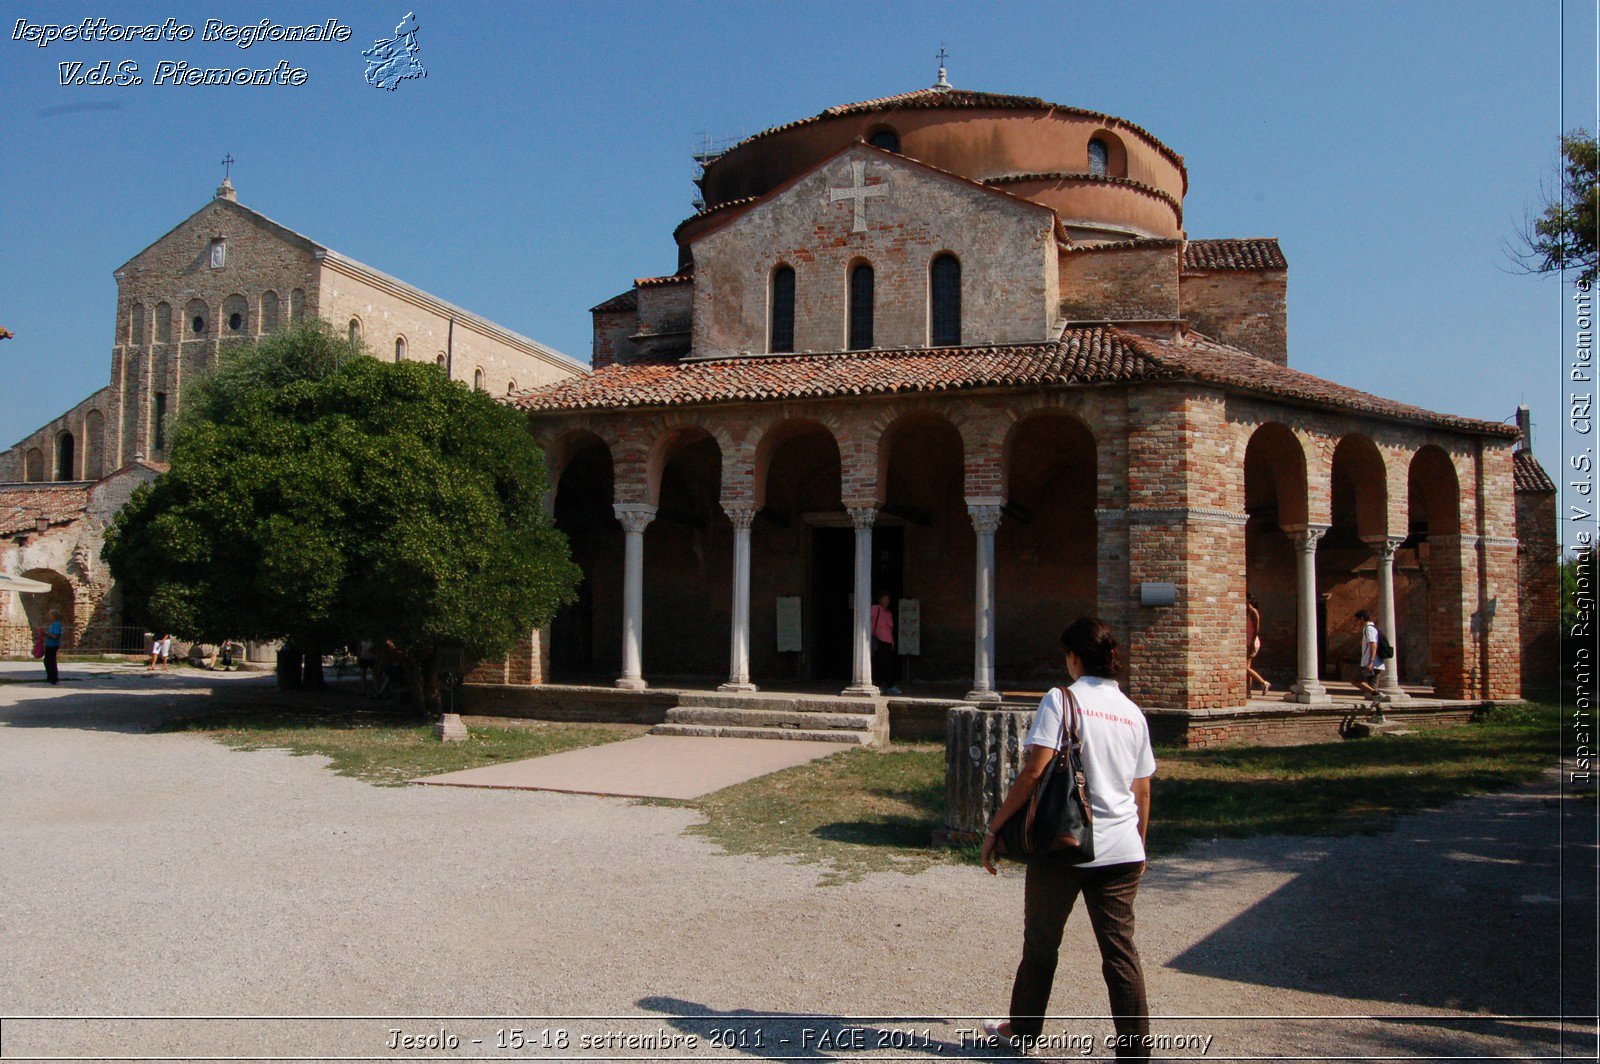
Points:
x=1245, y=308
x=1539, y=591
x=1114, y=283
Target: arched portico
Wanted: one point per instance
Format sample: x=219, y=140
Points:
x=584, y=634
x=1442, y=552
x=1355, y=559
x=1277, y=528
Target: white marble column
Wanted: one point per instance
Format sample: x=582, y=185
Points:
x=861, y=685
x=739, y=655
x=634, y=517
x=1389, y=678
x=985, y=521
x=1307, y=687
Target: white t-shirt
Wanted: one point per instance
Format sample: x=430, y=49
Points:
x=1369, y=648
x=1116, y=751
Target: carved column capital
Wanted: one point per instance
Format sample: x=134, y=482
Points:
x=741, y=516
x=1305, y=537
x=863, y=516
x=1386, y=546
x=635, y=517
x=986, y=517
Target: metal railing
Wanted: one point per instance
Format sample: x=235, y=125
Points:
x=96, y=639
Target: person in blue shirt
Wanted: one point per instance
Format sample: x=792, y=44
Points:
x=52, y=647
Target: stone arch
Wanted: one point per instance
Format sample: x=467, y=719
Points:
x=163, y=322
x=668, y=441
x=66, y=456
x=1347, y=556
x=33, y=466
x=1432, y=609
x=1046, y=548
x=235, y=316
x=1359, y=486
x=60, y=597
x=270, y=310
x=779, y=433
x=196, y=319
x=688, y=557
x=1276, y=503
x=585, y=634
x=94, y=445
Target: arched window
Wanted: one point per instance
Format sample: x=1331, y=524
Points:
x=66, y=453
x=781, y=334
x=196, y=313
x=158, y=421
x=163, y=323
x=235, y=313
x=511, y=386
x=33, y=470
x=400, y=349
x=94, y=442
x=440, y=360
x=887, y=139
x=1099, y=157
x=297, y=304
x=861, y=290
x=944, y=301
x=269, y=312
x=355, y=330
x=477, y=379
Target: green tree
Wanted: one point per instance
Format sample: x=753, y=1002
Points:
x=321, y=497
x=1563, y=235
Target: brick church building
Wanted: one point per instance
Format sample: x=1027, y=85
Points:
x=959, y=348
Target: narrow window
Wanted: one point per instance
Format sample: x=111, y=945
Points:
x=944, y=293
x=269, y=312
x=66, y=453
x=782, y=332
x=158, y=419
x=400, y=349
x=511, y=386
x=297, y=304
x=440, y=360
x=163, y=323
x=1099, y=157
x=887, y=139
x=477, y=379
x=355, y=331
x=861, y=286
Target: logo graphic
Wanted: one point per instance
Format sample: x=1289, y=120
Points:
x=393, y=61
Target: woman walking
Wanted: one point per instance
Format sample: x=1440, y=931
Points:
x=52, y=647
x=884, y=660
x=1252, y=645
x=1118, y=764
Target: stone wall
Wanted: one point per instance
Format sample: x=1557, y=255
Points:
x=1009, y=285
x=1539, y=591
x=1245, y=308
x=1120, y=283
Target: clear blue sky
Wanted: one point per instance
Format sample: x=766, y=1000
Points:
x=1391, y=147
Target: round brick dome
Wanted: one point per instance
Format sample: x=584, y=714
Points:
x=1106, y=178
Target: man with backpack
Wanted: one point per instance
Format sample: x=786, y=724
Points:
x=1375, y=652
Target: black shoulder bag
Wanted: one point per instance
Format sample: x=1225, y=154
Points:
x=1058, y=819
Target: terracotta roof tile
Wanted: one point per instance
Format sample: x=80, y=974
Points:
x=59, y=504
x=1135, y=244
x=957, y=99
x=1091, y=354
x=1096, y=179
x=628, y=300
x=1200, y=358
x=1530, y=475
x=1255, y=253
x=672, y=278
x=1083, y=356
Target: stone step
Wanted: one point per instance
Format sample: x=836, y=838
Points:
x=729, y=731
x=778, y=703
x=770, y=718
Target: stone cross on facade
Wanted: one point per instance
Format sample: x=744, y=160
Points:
x=859, y=191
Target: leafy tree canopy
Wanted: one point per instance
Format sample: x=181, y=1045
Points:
x=324, y=498
x=1564, y=234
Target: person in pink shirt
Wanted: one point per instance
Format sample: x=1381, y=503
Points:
x=885, y=662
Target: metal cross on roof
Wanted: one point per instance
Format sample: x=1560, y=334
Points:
x=942, y=56
x=227, y=166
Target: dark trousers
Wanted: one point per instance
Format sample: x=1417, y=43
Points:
x=885, y=664
x=1052, y=889
x=50, y=673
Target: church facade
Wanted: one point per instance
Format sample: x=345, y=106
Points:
x=225, y=274
x=958, y=348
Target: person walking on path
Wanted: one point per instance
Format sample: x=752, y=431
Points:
x=160, y=649
x=1371, y=659
x=52, y=647
x=1252, y=643
x=1118, y=763
x=884, y=659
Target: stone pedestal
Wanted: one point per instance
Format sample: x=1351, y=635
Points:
x=982, y=754
x=450, y=728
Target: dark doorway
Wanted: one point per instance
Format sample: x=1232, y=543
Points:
x=833, y=566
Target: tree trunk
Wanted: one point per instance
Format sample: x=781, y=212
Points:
x=982, y=754
x=313, y=667
x=289, y=667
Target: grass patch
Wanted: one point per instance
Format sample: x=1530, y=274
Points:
x=860, y=811
x=384, y=744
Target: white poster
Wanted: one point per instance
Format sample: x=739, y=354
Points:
x=788, y=624
x=910, y=624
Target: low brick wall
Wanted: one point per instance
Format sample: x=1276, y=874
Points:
x=1292, y=725
x=590, y=705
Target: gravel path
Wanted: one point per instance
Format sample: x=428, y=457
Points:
x=167, y=875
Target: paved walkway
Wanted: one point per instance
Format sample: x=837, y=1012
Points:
x=651, y=766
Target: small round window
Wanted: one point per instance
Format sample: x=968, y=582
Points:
x=199, y=324
x=887, y=139
x=235, y=321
